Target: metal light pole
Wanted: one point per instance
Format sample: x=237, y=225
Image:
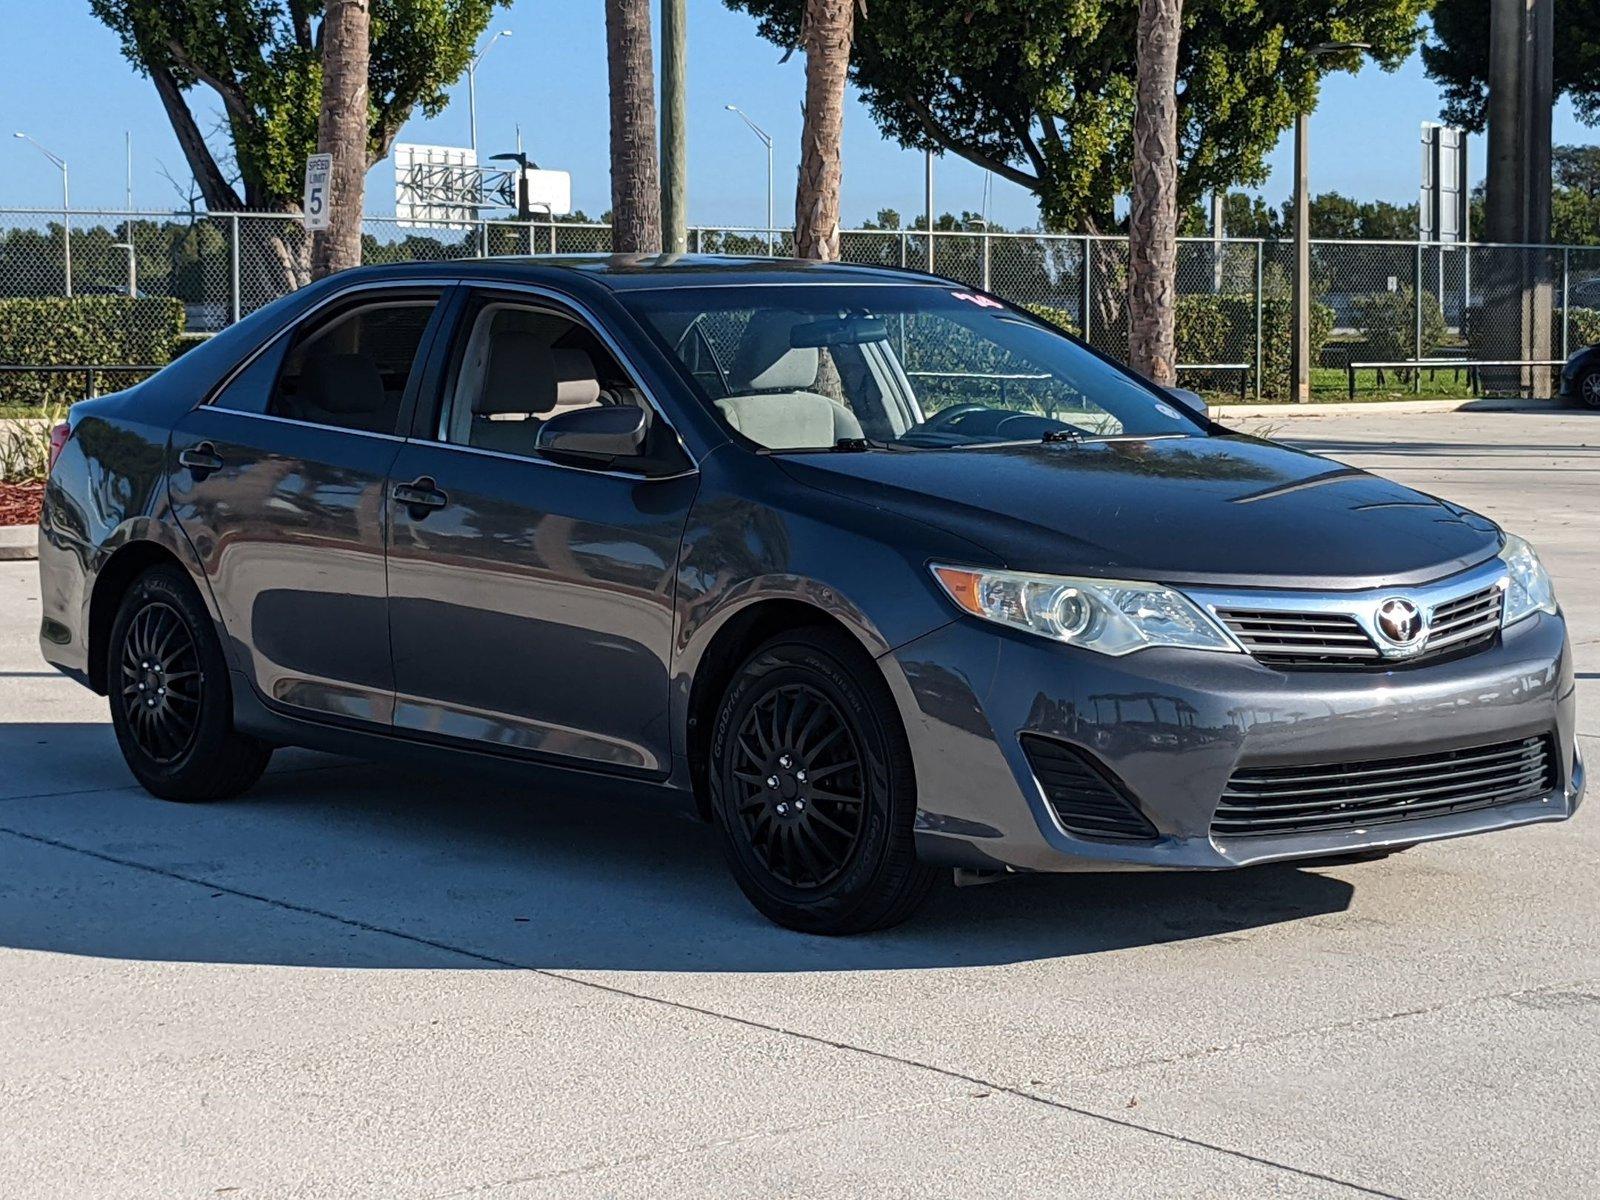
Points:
x=66, y=206
x=133, y=266
x=927, y=201
x=472, y=85
x=1300, y=351
x=767, y=142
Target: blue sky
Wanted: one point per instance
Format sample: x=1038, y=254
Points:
x=64, y=82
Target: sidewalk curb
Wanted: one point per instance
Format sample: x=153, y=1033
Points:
x=1344, y=408
x=19, y=543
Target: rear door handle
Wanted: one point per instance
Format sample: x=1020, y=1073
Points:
x=201, y=460
x=421, y=497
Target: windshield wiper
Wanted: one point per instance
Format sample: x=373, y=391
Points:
x=1076, y=437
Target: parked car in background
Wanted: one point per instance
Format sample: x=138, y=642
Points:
x=1580, y=378
x=877, y=573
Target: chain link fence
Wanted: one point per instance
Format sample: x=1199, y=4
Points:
x=1396, y=316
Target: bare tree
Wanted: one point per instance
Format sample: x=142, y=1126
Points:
x=1153, y=218
x=827, y=32
x=342, y=132
x=635, y=177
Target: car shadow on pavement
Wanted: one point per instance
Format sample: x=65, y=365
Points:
x=464, y=872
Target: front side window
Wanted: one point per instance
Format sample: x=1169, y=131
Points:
x=805, y=367
x=350, y=369
x=518, y=366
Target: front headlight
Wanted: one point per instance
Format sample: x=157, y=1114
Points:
x=1110, y=616
x=1530, y=589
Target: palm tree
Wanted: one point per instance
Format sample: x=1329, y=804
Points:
x=342, y=132
x=1153, y=219
x=635, y=177
x=826, y=32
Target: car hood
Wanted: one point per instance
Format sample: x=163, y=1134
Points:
x=1227, y=510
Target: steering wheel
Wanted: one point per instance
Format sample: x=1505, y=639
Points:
x=946, y=417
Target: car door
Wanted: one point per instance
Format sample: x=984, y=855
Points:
x=279, y=482
x=530, y=600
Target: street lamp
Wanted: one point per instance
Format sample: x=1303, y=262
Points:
x=472, y=84
x=767, y=142
x=1300, y=351
x=66, y=205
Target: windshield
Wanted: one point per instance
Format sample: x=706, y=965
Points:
x=820, y=366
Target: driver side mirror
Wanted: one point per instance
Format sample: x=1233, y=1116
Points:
x=1192, y=401
x=601, y=434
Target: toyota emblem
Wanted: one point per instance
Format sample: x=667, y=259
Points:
x=1400, y=622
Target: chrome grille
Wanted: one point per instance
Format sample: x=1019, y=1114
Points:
x=1457, y=623
x=1335, y=639
x=1301, y=639
x=1303, y=799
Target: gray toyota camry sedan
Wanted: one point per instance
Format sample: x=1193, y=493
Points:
x=876, y=573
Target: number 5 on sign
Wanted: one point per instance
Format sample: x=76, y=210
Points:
x=318, y=168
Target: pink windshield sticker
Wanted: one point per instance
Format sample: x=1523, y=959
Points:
x=980, y=301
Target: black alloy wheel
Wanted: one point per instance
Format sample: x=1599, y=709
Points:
x=171, y=704
x=812, y=787
x=1589, y=389
x=162, y=685
x=802, y=796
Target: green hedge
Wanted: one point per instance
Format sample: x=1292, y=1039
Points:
x=1584, y=329
x=1388, y=321
x=58, y=331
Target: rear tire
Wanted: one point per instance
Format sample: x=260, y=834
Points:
x=812, y=788
x=171, y=704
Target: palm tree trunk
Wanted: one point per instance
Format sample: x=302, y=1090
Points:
x=826, y=32
x=1153, y=219
x=342, y=132
x=635, y=178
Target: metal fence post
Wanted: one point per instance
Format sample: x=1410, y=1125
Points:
x=1088, y=275
x=904, y=238
x=1416, y=301
x=1566, y=306
x=986, y=259
x=1260, y=358
x=233, y=269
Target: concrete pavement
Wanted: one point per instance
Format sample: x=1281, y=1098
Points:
x=358, y=982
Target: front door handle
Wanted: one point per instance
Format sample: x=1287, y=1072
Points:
x=420, y=497
x=200, y=460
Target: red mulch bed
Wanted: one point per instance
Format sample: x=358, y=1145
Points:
x=19, y=503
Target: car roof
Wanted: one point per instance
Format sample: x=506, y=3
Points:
x=625, y=273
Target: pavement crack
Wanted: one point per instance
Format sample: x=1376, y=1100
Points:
x=1362, y=1022
x=950, y=1073
x=750, y=1135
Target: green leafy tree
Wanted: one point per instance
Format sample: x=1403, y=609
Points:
x=1456, y=57
x=1041, y=91
x=1575, y=204
x=1332, y=216
x=1337, y=216
x=262, y=60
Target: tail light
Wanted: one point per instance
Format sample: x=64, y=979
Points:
x=58, y=442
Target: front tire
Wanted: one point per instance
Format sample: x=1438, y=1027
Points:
x=171, y=706
x=812, y=788
x=1587, y=389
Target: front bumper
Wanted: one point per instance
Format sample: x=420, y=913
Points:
x=1172, y=726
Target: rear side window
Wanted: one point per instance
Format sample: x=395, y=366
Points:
x=348, y=370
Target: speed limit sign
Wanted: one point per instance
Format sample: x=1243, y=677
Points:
x=318, y=168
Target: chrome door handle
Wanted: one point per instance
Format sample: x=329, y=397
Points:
x=421, y=497
x=200, y=460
